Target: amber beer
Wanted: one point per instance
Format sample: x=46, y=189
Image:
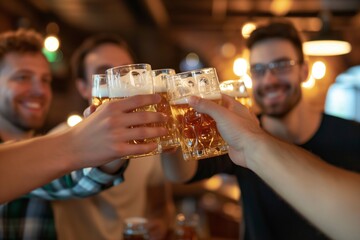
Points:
x=199, y=136
x=130, y=80
x=135, y=229
x=171, y=140
x=237, y=90
x=118, y=95
x=99, y=95
x=99, y=91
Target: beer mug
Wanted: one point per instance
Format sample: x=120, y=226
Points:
x=186, y=226
x=198, y=134
x=130, y=80
x=171, y=140
x=135, y=229
x=237, y=90
x=99, y=90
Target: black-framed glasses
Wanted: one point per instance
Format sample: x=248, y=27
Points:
x=276, y=67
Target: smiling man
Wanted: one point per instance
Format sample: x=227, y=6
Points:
x=25, y=90
x=25, y=96
x=277, y=70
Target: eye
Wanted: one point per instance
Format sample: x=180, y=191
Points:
x=47, y=80
x=21, y=77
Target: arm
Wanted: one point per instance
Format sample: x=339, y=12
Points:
x=97, y=140
x=327, y=196
x=176, y=169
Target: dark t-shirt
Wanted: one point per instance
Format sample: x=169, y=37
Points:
x=267, y=216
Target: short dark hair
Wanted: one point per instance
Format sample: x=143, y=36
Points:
x=20, y=41
x=277, y=29
x=78, y=58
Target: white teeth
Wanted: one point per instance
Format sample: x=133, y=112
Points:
x=34, y=105
x=273, y=94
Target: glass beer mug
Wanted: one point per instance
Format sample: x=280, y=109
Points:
x=130, y=80
x=135, y=229
x=99, y=91
x=237, y=90
x=171, y=140
x=198, y=134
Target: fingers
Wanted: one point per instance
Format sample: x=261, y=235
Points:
x=89, y=110
x=139, y=133
x=233, y=105
x=208, y=107
x=140, y=118
x=136, y=149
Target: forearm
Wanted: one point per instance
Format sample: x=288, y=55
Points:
x=29, y=164
x=176, y=169
x=325, y=195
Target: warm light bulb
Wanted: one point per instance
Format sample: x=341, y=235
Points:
x=310, y=83
x=318, y=70
x=73, y=120
x=326, y=48
x=247, y=29
x=51, y=43
x=240, y=67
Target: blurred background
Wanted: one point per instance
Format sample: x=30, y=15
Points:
x=190, y=34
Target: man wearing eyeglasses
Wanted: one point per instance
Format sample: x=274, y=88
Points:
x=278, y=68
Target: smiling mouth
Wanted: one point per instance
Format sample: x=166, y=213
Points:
x=33, y=105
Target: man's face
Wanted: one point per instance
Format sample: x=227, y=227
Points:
x=101, y=58
x=25, y=91
x=277, y=92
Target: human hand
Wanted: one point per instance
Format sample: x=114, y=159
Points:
x=104, y=135
x=237, y=125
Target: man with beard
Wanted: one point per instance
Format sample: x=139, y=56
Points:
x=278, y=69
x=145, y=193
x=25, y=96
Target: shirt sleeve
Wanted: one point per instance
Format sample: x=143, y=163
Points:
x=211, y=166
x=80, y=184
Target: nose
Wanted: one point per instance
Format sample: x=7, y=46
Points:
x=269, y=78
x=37, y=86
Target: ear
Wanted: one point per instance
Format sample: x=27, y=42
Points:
x=83, y=88
x=304, y=71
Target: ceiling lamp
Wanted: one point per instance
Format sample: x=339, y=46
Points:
x=326, y=44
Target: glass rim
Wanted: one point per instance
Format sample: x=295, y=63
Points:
x=107, y=71
x=197, y=70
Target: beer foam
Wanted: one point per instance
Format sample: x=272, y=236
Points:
x=159, y=87
x=235, y=94
x=210, y=96
x=116, y=92
x=101, y=91
x=160, y=83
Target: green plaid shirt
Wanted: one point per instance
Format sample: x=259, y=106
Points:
x=31, y=216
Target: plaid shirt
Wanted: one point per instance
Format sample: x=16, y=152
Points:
x=31, y=216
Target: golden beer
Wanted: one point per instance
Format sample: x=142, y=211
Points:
x=149, y=108
x=171, y=140
x=199, y=136
x=131, y=80
x=99, y=91
x=237, y=90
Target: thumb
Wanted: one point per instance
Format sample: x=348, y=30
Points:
x=206, y=106
x=89, y=110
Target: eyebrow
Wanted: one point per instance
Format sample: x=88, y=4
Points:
x=101, y=69
x=274, y=60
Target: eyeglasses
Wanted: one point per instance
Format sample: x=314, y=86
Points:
x=277, y=67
